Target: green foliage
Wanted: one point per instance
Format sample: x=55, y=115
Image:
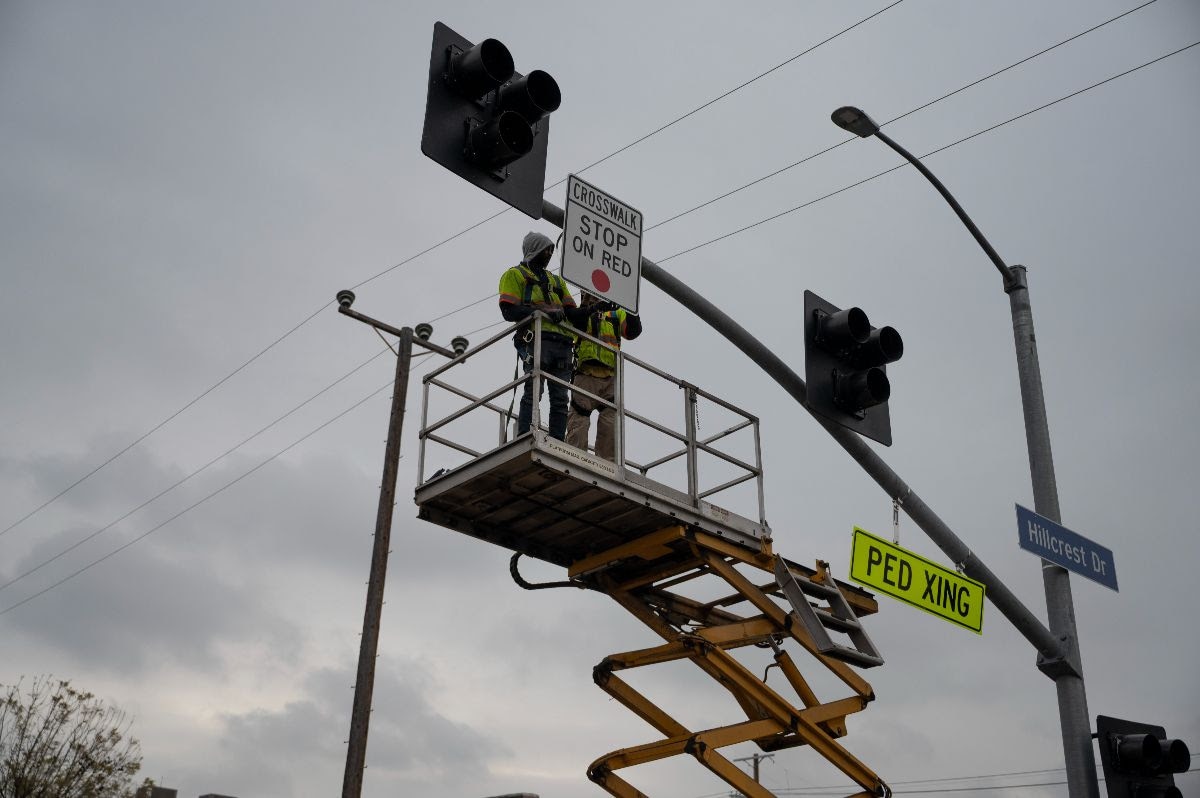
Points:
x=59, y=742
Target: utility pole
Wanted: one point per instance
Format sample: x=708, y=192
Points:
x=755, y=759
x=364, y=683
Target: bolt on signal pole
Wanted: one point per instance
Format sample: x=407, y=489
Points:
x=364, y=682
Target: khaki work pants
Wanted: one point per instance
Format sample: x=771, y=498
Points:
x=579, y=420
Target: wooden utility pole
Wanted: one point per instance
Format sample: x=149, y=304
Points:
x=756, y=758
x=364, y=683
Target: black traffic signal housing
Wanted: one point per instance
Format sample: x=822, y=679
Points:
x=486, y=122
x=844, y=359
x=1139, y=759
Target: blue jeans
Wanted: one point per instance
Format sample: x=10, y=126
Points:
x=557, y=353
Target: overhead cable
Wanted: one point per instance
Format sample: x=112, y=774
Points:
x=926, y=155
x=390, y=269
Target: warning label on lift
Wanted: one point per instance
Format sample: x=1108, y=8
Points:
x=911, y=578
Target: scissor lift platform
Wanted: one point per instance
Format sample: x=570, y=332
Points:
x=547, y=500
x=661, y=551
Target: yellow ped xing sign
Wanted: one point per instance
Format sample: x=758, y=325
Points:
x=909, y=577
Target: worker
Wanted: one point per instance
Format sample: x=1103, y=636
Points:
x=594, y=372
x=528, y=287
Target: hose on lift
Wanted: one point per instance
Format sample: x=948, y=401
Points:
x=527, y=585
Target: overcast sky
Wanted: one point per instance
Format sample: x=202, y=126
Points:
x=181, y=185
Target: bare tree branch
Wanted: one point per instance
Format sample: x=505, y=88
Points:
x=59, y=742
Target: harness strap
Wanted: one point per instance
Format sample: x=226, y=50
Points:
x=547, y=283
x=595, y=328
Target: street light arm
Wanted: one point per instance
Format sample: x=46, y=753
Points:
x=1001, y=266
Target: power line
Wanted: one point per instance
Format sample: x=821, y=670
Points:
x=160, y=424
x=763, y=221
x=815, y=155
x=427, y=250
x=464, y=307
x=841, y=789
x=194, y=473
x=390, y=269
x=214, y=493
x=193, y=506
x=926, y=155
x=737, y=88
x=232, y=374
x=1022, y=61
x=979, y=789
x=229, y=484
x=994, y=787
x=946, y=96
x=838, y=789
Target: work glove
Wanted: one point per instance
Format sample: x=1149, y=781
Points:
x=557, y=315
x=577, y=316
x=606, y=307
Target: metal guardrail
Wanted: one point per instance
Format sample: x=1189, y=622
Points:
x=690, y=445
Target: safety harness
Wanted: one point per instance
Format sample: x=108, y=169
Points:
x=545, y=282
x=595, y=327
x=550, y=288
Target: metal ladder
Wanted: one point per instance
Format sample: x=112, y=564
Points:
x=839, y=616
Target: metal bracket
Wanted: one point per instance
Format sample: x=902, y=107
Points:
x=500, y=173
x=1066, y=664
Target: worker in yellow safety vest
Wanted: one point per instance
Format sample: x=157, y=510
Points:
x=527, y=287
x=594, y=372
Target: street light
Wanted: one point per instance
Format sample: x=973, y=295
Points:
x=1067, y=672
x=856, y=121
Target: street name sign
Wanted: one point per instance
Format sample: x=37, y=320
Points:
x=602, y=244
x=911, y=578
x=1059, y=545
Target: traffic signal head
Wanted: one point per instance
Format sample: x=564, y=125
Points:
x=1139, y=760
x=844, y=359
x=487, y=123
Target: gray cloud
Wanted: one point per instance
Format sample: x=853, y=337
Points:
x=181, y=186
x=301, y=746
x=154, y=609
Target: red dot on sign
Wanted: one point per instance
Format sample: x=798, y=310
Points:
x=600, y=280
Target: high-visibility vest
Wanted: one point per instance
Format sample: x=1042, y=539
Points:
x=611, y=330
x=520, y=286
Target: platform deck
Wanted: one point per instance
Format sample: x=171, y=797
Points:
x=538, y=496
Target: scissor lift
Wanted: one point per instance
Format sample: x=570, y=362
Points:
x=648, y=544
